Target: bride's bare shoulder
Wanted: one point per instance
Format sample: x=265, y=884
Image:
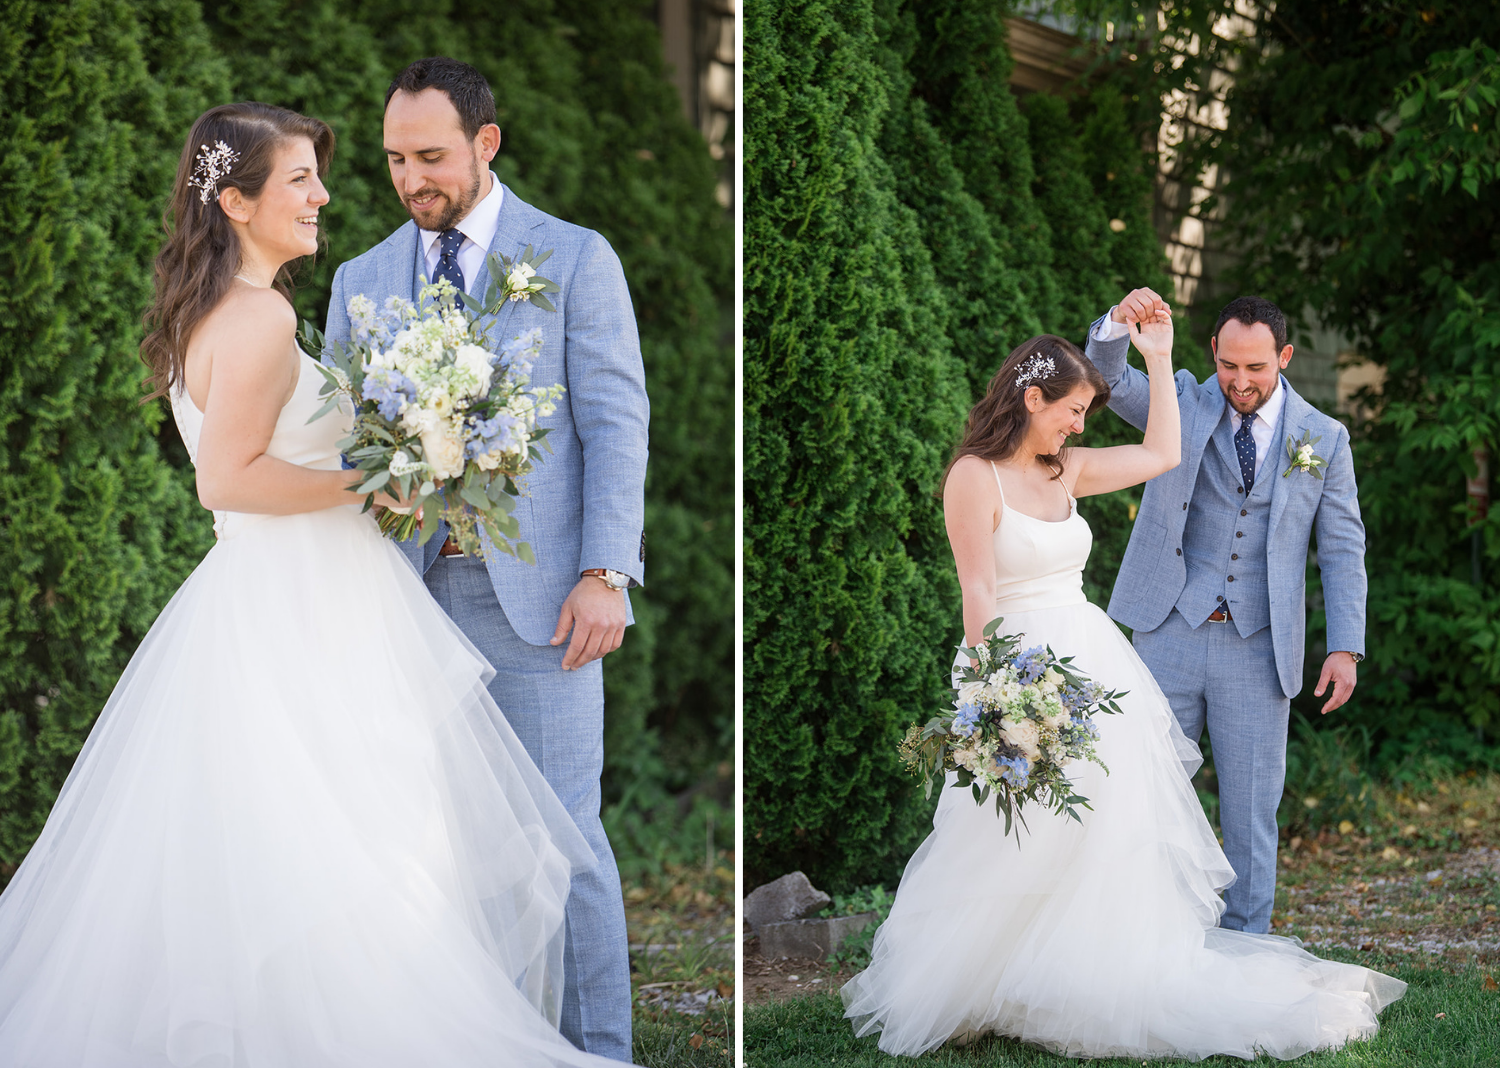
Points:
x=250, y=333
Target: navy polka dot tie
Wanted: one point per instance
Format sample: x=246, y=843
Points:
x=448, y=242
x=1244, y=446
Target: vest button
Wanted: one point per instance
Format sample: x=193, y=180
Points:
x=1244, y=511
x=1239, y=533
x=1234, y=556
x=1184, y=506
x=1239, y=489
x=1231, y=578
x=1179, y=552
x=1219, y=598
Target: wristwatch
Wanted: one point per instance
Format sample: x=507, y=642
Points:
x=615, y=580
x=1357, y=656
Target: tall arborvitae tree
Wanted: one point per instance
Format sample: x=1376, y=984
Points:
x=99, y=528
x=851, y=395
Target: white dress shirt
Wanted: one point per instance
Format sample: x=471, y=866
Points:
x=1264, y=427
x=478, y=228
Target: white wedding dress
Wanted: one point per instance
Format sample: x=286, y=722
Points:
x=1099, y=939
x=301, y=833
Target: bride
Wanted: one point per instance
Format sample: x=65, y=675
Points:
x=301, y=833
x=1095, y=939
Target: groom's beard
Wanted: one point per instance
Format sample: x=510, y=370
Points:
x=453, y=211
x=1257, y=401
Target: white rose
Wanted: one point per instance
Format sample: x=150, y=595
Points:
x=970, y=692
x=489, y=461
x=439, y=403
x=1024, y=735
x=520, y=277
x=1304, y=454
x=475, y=361
x=444, y=451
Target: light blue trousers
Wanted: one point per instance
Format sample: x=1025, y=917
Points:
x=559, y=717
x=1216, y=679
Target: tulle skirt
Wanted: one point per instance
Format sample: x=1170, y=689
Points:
x=301, y=833
x=1097, y=939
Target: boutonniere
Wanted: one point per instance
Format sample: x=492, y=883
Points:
x=1302, y=456
x=521, y=282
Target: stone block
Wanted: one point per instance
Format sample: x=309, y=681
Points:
x=792, y=897
x=813, y=939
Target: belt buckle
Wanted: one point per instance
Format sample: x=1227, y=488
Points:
x=1222, y=613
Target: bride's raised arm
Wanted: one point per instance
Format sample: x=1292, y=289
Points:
x=1118, y=466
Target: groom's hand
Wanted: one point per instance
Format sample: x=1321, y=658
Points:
x=596, y=616
x=1340, y=670
x=1141, y=306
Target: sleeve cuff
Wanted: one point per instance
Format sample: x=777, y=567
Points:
x=1109, y=330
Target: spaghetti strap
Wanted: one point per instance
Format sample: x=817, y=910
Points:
x=996, y=471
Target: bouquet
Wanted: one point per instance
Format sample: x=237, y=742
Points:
x=1019, y=718
x=441, y=413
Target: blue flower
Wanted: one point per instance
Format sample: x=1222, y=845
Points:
x=503, y=430
x=1013, y=770
x=390, y=390
x=966, y=720
x=1031, y=664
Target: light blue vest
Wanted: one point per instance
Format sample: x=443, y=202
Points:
x=1224, y=539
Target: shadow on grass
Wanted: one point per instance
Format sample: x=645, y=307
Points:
x=1446, y=1020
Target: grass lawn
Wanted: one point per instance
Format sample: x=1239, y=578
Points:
x=1446, y=1020
x=1412, y=891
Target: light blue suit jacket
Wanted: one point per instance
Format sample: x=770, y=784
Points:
x=585, y=502
x=1152, y=575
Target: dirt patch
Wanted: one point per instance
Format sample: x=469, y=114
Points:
x=789, y=977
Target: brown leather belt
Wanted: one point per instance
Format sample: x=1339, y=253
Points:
x=1220, y=615
x=450, y=548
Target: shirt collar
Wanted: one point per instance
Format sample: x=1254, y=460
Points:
x=1270, y=411
x=479, y=225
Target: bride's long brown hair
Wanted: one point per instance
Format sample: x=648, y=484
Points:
x=996, y=425
x=198, y=260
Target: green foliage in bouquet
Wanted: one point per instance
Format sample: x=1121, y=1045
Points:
x=908, y=221
x=1020, y=718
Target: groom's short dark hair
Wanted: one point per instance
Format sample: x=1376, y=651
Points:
x=1251, y=310
x=466, y=88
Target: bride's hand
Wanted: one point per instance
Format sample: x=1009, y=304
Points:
x=1153, y=337
x=391, y=500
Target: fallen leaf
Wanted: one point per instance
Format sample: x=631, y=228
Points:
x=1423, y=807
x=1367, y=946
x=696, y=1041
x=1296, y=842
x=725, y=990
x=1468, y=823
x=1440, y=1016
x=1390, y=853
x=1409, y=831
x=1345, y=827
x=1490, y=984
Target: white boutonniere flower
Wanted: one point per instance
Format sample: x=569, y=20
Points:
x=521, y=282
x=1300, y=452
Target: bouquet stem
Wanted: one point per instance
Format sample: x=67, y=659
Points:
x=396, y=526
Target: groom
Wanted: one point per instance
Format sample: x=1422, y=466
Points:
x=1213, y=580
x=583, y=514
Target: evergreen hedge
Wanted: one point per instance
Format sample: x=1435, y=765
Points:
x=103, y=523
x=907, y=222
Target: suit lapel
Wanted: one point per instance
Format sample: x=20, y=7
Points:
x=1212, y=414
x=1296, y=419
x=1224, y=443
x=513, y=232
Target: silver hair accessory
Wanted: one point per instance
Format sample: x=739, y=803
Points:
x=1038, y=367
x=211, y=165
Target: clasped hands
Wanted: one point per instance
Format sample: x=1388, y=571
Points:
x=1152, y=317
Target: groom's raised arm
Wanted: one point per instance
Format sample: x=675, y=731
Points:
x=1129, y=389
x=607, y=390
